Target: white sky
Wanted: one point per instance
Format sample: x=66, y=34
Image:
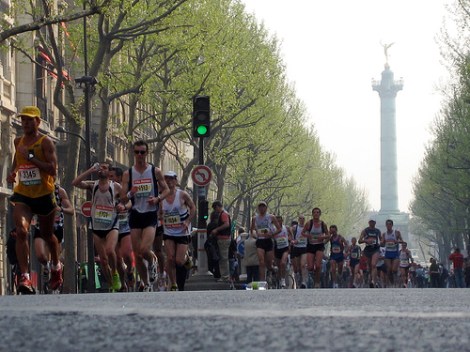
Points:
x=332, y=49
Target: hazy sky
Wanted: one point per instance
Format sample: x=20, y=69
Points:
x=332, y=50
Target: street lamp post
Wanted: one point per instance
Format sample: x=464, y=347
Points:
x=90, y=244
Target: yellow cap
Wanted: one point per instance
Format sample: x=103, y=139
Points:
x=30, y=111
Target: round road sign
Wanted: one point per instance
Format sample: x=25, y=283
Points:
x=201, y=175
x=86, y=209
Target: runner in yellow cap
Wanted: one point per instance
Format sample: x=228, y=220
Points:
x=34, y=169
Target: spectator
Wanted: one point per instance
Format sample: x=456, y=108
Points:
x=434, y=273
x=250, y=259
x=221, y=228
x=457, y=260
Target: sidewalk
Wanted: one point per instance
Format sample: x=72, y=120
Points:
x=208, y=283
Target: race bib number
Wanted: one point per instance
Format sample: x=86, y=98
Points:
x=262, y=232
x=172, y=220
x=390, y=245
x=281, y=242
x=122, y=218
x=404, y=262
x=144, y=187
x=104, y=214
x=336, y=249
x=29, y=175
x=372, y=241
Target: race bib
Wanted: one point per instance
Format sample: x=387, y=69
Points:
x=336, y=249
x=104, y=214
x=144, y=187
x=391, y=245
x=282, y=242
x=263, y=232
x=404, y=262
x=354, y=255
x=29, y=175
x=172, y=220
x=373, y=241
x=122, y=218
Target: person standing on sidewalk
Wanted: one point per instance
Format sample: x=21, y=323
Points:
x=222, y=231
x=35, y=162
x=144, y=185
x=104, y=219
x=457, y=260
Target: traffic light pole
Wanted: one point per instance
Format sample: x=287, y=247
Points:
x=203, y=266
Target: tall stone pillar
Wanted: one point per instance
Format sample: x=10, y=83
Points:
x=388, y=89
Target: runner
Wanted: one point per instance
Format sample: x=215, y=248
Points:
x=104, y=221
x=390, y=239
x=40, y=245
x=144, y=185
x=317, y=233
x=35, y=161
x=337, y=244
x=405, y=259
x=281, y=251
x=299, y=253
x=354, y=253
x=265, y=226
x=124, y=252
x=177, y=211
x=381, y=269
x=371, y=236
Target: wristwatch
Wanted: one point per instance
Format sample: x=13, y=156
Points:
x=30, y=155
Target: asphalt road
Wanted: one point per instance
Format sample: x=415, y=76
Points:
x=274, y=320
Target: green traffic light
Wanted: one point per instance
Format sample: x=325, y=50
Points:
x=201, y=130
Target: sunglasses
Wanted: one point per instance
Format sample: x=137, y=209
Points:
x=141, y=152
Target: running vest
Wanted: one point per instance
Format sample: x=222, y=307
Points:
x=59, y=216
x=390, y=242
x=147, y=186
x=336, y=245
x=282, y=238
x=404, y=259
x=372, y=233
x=174, y=214
x=301, y=240
x=33, y=182
x=355, y=252
x=263, y=226
x=103, y=211
x=123, y=221
x=316, y=231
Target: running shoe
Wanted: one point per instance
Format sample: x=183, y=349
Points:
x=174, y=288
x=25, y=286
x=283, y=283
x=153, y=271
x=303, y=285
x=116, y=282
x=371, y=285
x=56, y=279
x=317, y=285
x=147, y=288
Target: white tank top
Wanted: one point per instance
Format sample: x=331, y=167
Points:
x=301, y=240
x=103, y=211
x=263, y=225
x=174, y=214
x=282, y=238
x=390, y=241
x=145, y=189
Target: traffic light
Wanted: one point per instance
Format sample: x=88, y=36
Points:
x=203, y=211
x=201, y=116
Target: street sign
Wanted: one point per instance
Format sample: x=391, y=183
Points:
x=201, y=175
x=86, y=209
